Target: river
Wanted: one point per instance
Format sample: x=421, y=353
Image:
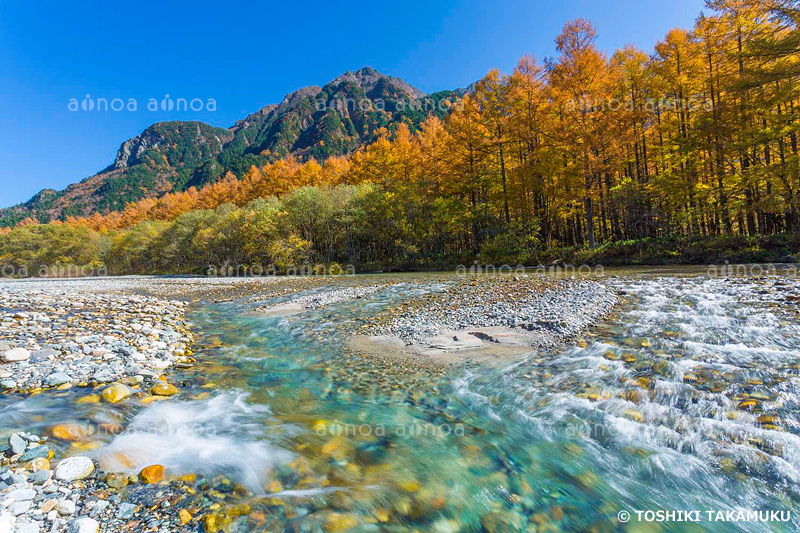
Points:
x=684, y=399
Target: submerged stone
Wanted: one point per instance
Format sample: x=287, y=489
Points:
x=336, y=522
x=70, y=432
x=163, y=388
x=116, y=481
x=89, y=398
x=636, y=416
x=116, y=392
x=184, y=516
x=502, y=522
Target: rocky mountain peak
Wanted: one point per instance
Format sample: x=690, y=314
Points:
x=367, y=78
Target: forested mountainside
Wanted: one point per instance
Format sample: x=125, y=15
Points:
x=312, y=122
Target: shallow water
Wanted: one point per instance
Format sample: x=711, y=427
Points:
x=686, y=398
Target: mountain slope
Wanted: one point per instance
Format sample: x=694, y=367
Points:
x=172, y=156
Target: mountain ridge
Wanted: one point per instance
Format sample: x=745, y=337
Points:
x=334, y=119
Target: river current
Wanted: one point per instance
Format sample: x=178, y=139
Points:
x=684, y=400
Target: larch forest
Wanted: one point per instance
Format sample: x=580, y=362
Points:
x=674, y=154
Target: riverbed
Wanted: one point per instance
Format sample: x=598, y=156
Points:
x=683, y=398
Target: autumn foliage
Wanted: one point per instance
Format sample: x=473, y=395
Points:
x=696, y=138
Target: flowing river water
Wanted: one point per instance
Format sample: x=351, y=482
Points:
x=684, y=399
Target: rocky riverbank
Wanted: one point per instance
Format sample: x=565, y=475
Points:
x=488, y=316
x=78, y=334
x=40, y=493
x=56, y=334
x=60, y=338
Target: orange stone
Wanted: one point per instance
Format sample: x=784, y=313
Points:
x=69, y=432
x=185, y=516
x=152, y=474
x=188, y=478
x=150, y=399
x=164, y=389
x=84, y=446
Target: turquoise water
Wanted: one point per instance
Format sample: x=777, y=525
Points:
x=685, y=399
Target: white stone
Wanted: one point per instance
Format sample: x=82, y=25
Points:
x=16, y=354
x=74, y=468
x=66, y=507
x=22, y=495
x=17, y=444
x=84, y=525
x=6, y=522
x=27, y=527
x=57, y=378
x=18, y=508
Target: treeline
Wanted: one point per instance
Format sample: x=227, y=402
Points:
x=696, y=139
x=343, y=224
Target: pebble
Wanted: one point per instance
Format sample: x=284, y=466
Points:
x=84, y=525
x=126, y=510
x=57, y=378
x=17, y=444
x=66, y=507
x=99, y=507
x=74, y=468
x=21, y=495
x=25, y=527
x=40, y=477
x=49, y=505
x=35, y=452
x=116, y=481
x=18, y=508
x=115, y=393
x=164, y=389
x=152, y=474
x=16, y=354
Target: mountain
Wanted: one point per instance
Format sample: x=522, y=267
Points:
x=318, y=122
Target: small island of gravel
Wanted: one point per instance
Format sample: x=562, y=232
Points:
x=486, y=317
x=318, y=300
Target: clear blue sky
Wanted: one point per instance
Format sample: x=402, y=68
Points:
x=247, y=55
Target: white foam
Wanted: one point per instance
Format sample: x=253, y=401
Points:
x=223, y=434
